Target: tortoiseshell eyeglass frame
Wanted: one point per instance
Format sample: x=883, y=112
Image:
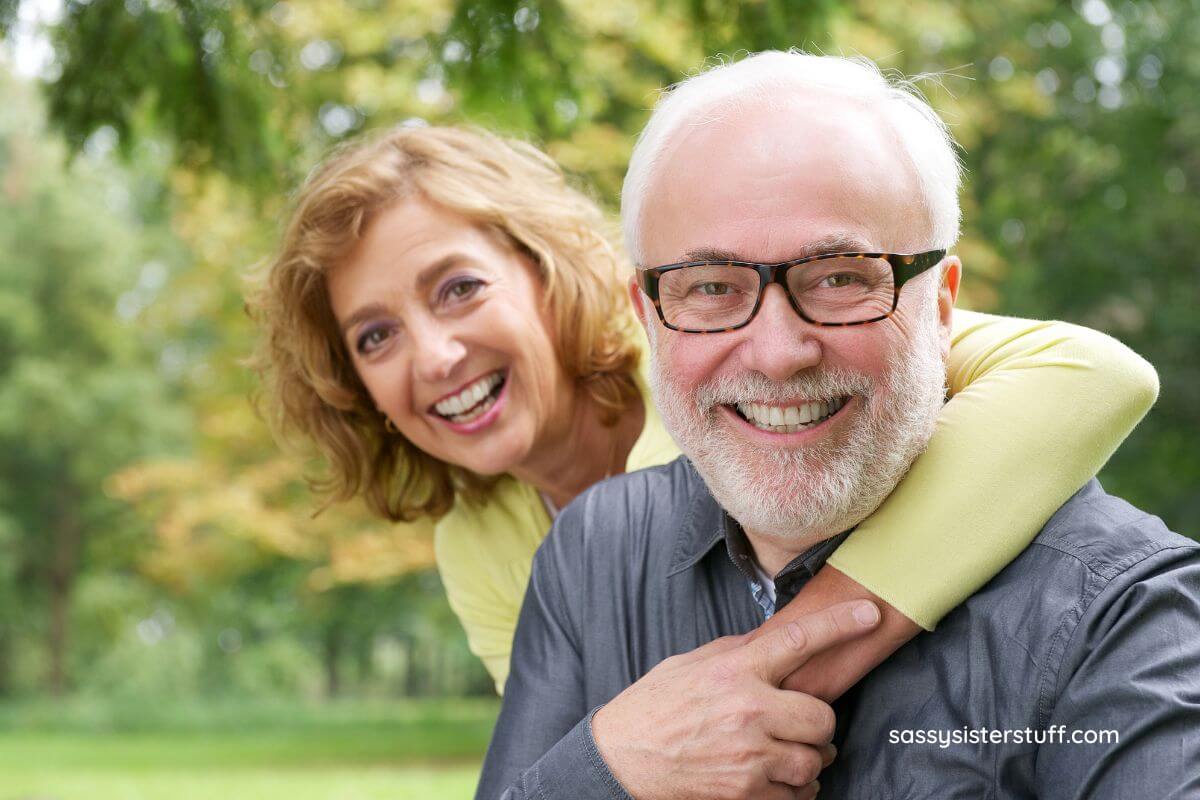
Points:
x=905, y=267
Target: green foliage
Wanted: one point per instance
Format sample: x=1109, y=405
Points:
x=121, y=321
x=8, y=15
x=248, y=87
x=80, y=393
x=175, y=66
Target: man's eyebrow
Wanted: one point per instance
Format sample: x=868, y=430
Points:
x=832, y=243
x=425, y=278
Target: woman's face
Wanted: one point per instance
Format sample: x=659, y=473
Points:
x=444, y=324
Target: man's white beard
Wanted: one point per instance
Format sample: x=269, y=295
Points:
x=809, y=494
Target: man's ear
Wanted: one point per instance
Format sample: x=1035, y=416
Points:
x=639, y=300
x=947, y=295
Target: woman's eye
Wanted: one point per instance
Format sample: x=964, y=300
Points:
x=371, y=340
x=460, y=289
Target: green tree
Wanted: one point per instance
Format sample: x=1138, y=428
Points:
x=81, y=392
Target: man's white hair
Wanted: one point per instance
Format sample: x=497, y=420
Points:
x=767, y=79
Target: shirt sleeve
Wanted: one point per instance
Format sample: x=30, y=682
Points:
x=542, y=746
x=1037, y=409
x=1126, y=699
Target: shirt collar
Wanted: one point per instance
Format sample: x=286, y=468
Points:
x=707, y=524
x=703, y=526
x=806, y=564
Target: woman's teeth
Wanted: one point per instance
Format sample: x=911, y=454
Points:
x=472, y=401
x=789, y=419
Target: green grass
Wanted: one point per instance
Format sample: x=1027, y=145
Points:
x=98, y=751
x=375, y=783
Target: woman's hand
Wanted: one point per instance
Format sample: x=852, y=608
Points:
x=830, y=673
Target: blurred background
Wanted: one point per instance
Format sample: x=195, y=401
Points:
x=175, y=619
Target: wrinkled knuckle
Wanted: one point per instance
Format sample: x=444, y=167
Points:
x=831, y=627
x=824, y=722
x=744, y=715
x=742, y=758
x=800, y=771
x=796, y=636
x=807, y=767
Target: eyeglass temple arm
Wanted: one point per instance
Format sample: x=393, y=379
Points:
x=905, y=268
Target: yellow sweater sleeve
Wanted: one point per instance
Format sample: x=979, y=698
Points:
x=1036, y=409
x=484, y=559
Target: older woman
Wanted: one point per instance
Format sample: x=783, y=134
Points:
x=448, y=321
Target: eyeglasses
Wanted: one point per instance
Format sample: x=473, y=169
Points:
x=835, y=289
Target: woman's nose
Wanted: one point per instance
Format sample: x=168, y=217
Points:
x=439, y=352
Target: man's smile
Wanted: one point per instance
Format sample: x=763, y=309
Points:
x=785, y=424
x=789, y=418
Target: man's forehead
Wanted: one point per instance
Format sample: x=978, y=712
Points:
x=780, y=180
x=834, y=242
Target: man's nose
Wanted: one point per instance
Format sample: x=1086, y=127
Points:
x=438, y=351
x=780, y=342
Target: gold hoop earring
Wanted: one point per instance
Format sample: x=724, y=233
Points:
x=388, y=425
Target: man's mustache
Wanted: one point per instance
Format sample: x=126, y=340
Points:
x=822, y=385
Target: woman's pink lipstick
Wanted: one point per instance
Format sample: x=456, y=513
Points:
x=484, y=420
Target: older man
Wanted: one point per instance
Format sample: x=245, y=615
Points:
x=790, y=215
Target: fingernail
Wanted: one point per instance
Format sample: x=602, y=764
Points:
x=866, y=613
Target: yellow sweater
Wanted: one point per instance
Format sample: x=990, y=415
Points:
x=1036, y=410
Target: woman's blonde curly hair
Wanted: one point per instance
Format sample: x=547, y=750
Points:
x=309, y=384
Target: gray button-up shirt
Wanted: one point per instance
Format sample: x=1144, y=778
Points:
x=1093, y=628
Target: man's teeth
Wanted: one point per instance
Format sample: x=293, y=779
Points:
x=789, y=419
x=468, y=398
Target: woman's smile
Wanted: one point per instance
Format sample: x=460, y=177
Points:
x=474, y=407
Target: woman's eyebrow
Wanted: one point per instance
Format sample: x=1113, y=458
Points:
x=430, y=274
x=425, y=278
x=362, y=315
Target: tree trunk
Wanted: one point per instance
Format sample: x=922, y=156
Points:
x=68, y=534
x=333, y=653
x=6, y=637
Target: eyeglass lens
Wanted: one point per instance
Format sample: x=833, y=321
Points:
x=833, y=290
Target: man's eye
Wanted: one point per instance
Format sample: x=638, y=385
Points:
x=841, y=280
x=371, y=340
x=714, y=289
